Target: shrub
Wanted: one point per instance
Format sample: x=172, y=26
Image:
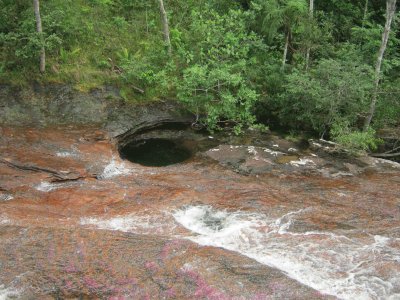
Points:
x=354, y=140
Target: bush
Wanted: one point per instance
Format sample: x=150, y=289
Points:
x=354, y=140
x=214, y=81
x=334, y=89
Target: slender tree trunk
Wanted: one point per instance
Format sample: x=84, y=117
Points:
x=365, y=13
x=147, y=22
x=285, y=50
x=309, y=48
x=36, y=6
x=164, y=20
x=390, y=12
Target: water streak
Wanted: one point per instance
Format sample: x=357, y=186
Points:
x=332, y=264
x=6, y=197
x=4, y=220
x=65, y=154
x=114, y=169
x=148, y=224
x=8, y=293
x=45, y=186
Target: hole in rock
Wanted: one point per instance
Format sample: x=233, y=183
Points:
x=155, y=152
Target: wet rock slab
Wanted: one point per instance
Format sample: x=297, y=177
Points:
x=77, y=222
x=73, y=263
x=249, y=159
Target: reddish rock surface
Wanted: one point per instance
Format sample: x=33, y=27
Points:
x=77, y=222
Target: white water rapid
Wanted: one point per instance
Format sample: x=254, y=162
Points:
x=332, y=264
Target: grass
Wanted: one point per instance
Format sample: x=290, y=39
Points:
x=92, y=36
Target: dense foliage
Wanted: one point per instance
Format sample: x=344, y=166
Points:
x=231, y=62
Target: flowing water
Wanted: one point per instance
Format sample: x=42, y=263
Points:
x=333, y=264
x=345, y=265
x=102, y=227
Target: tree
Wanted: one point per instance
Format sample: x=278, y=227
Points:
x=164, y=20
x=365, y=12
x=311, y=8
x=390, y=12
x=215, y=84
x=42, y=65
x=282, y=15
x=332, y=91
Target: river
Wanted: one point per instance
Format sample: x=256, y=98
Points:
x=78, y=222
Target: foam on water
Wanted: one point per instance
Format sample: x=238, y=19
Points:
x=149, y=224
x=74, y=152
x=252, y=150
x=272, y=152
x=4, y=220
x=114, y=169
x=332, y=264
x=7, y=293
x=302, y=162
x=66, y=154
x=6, y=197
x=45, y=186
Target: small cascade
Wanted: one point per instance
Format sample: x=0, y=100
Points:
x=330, y=263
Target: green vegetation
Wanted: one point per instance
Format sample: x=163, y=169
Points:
x=354, y=140
x=283, y=63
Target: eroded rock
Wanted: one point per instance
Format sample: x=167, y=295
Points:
x=125, y=230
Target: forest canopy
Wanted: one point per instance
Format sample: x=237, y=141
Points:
x=322, y=67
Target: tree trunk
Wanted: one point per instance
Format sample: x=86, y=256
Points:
x=285, y=51
x=365, y=13
x=390, y=12
x=147, y=22
x=164, y=20
x=36, y=6
x=309, y=48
